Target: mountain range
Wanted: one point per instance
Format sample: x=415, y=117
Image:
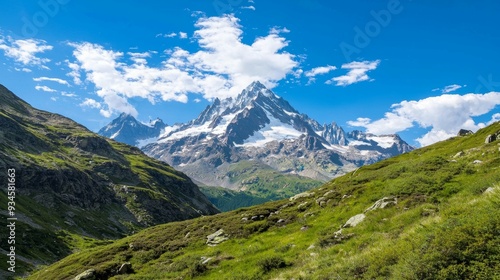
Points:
x=432, y=213
x=74, y=187
x=257, y=125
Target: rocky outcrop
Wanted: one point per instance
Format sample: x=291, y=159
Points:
x=217, y=237
x=72, y=179
x=354, y=220
x=301, y=195
x=383, y=203
x=89, y=274
x=491, y=138
x=464, y=132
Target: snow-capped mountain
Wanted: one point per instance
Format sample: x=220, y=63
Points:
x=259, y=125
x=128, y=130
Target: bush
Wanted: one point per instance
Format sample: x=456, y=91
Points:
x=198, y=269
x=271, y=263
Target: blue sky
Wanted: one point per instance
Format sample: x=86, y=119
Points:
x=423, y=69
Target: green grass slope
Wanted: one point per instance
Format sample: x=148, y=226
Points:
x=445, y=225
x=75, y=189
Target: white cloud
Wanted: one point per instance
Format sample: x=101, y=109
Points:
x=249, y=8
x=75, y=72
x=357, y=72
x=221, y=68
x=57, y=80
x=444, y=115
x=45, y=88
x=91, y=103
x=24, y=69
x=197, y=100
x=183, y=35
x=25, y=51
x=63, y=93
x=278, y=30
x=451, y=88
x=311, y=74
x=494, y=118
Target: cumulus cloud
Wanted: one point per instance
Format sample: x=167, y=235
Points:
x=357, y=72
x=494, y=118
x=57, y=80
x=74, y=73
x=248, y=8
x=183, y=35
x=91, y=103
x=444, y=115
x=311, y=74
x=222, y=67
x=25, y=51
x=45, y=88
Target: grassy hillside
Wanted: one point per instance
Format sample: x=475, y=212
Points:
x=75, y=189
x=441, y=221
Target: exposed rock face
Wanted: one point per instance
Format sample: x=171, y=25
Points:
x=127, y=129
x=85, y=183
x=259, y=125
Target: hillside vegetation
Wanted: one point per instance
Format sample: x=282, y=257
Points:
x=75, y=189
x=440, y=219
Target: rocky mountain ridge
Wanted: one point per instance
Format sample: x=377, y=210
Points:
x=260, y=125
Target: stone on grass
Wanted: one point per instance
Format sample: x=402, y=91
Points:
x=382, y=203
x=89, y=274
x=355, y=220
x=216, y=238
x=301, y=195
x=490, y=138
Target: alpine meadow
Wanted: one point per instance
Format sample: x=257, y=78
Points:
x=249, y=139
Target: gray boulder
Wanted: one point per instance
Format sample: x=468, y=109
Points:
x=490, y=138
x=355, y=220
x=217, y=237
x=382, y=203
x=89, y=274
x=301, y=195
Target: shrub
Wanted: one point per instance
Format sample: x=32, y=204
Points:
x=271, y=263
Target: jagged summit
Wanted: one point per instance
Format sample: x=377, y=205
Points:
x=260, y=125
x=128, y=130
